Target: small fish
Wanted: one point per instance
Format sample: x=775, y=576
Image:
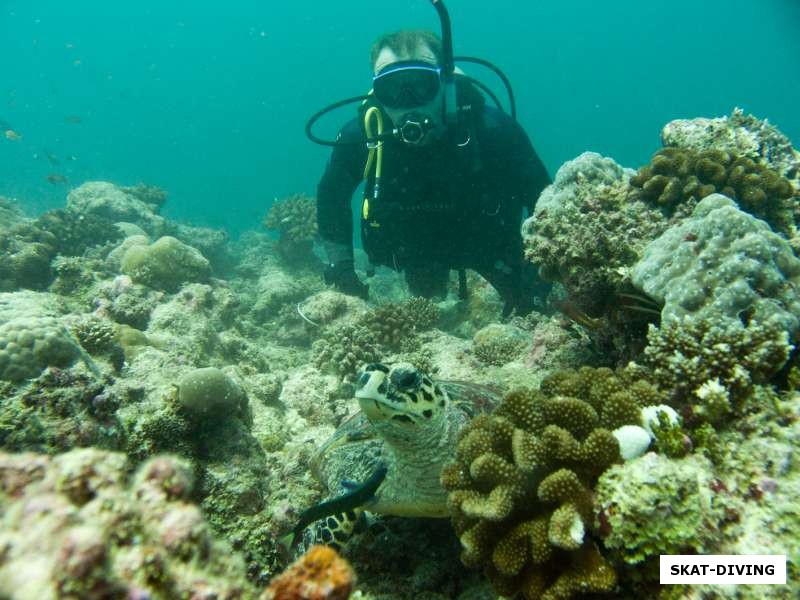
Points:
x=73, y=120
x=56, y=178
x=12, y=135
x=51, y=158
x=355, y=496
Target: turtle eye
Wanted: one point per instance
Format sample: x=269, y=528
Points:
x=405, y=379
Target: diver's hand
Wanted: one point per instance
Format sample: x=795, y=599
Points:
x=343, y=276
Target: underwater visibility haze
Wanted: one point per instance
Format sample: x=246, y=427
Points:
x=548, y=351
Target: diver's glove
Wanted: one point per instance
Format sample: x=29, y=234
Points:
x=343, y=276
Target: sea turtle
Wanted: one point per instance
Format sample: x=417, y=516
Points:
x=395, y=447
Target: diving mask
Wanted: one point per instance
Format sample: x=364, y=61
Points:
x=407, y=84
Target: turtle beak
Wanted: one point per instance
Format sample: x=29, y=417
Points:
x=372, y=385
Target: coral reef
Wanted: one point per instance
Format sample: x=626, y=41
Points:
x=343, y=349
x=586, y=230
x=30, y=345
x=149, y=194
x=498, y=344
x=295, y=220
x=722, y=263
x=209, y=395
x=25, y=255
x=319, y=574
x=165, y=264
x=710, y=368
x=636, y=507
x=74, y=232
x=677, y=175
x=741, y=502
x=520, y=487
x=106, y=200
x=738, y=134
x=74, y=528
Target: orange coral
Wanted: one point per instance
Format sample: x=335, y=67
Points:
x=320, y=574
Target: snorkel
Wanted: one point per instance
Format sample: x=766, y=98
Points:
x=448, y=64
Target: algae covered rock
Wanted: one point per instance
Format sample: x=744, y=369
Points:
x=722, y=263
x=165, y=264
x=73, y=526
x=656, y=505
x=209, y=393
x=587, y=230
x=110, y=202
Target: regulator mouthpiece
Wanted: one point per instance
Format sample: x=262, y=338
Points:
x=414, y=128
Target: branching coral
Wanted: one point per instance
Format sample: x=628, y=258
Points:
x=294, y=217
x=498, y=344
x=295, y=220
x=520, y=486
x=676, y=175
x=711, y=367
x=344, y=348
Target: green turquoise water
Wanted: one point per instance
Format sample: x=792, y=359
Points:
x=209, y=100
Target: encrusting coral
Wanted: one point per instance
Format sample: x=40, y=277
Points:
x=520, y=486
x=676, y=175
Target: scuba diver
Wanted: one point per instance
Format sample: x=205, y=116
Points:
x=447, y=176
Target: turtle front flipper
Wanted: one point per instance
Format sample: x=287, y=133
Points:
x=336, y=529
x=336, y=514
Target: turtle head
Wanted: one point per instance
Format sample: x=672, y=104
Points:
x=400, y=401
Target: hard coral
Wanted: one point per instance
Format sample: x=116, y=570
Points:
x=166, y=264
x=586, y=230
x=676, y=175
x=25, y=255
x=710, y=367
x=344, y=348
x=320, y=574
x=722, y=263
x=73, y=528
x=520, y=487
x=75, y=232
x=295, y=219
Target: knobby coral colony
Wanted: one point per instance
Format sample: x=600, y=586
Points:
x=295, y=218
x=675, y=175
x=520, y=486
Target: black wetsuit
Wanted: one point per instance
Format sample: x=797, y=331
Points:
x=442, y=206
